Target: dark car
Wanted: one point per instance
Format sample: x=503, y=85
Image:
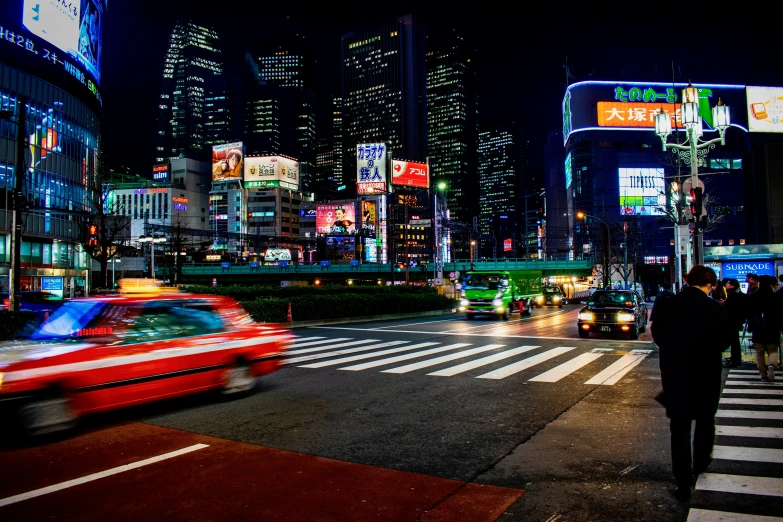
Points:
x=613, y=311
x=550, y=296
x=32, y=301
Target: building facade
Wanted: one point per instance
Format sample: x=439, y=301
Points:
x=192, y=77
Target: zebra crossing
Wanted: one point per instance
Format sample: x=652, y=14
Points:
x=502, y=361
x=749, y=443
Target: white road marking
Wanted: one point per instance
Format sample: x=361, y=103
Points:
x=460, y=368
x=742, y=391
x=749, y=431
x=754, y=382
x=511, y=369
x=313, y=343
x=330, y=347
x=101, y=474
x=342, y=360
x=446, y=358
x=569, y=339
x=342, y=352
x=770, y=455
x=307, y=338
x=602, y=350
x=767, y=486
x=749, y=414
x=751, y=402
x=617, y=370
x=407, y=356
x=706, y=515
x=567, y=368
x=640, y=352
x=382, y=328
x=732, y=371
x=490, y=325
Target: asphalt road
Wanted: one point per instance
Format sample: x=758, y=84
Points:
x=431, y=419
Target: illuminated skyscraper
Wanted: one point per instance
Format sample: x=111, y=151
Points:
x=452, y=124
x=192, y=72
x=384, y=91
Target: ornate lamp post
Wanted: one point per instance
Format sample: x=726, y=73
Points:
x=694, y=149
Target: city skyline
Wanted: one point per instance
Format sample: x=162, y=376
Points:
x=522, y=78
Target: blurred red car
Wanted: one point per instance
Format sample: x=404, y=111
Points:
x=99, y=353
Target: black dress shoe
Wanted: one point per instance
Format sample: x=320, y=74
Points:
x=682, y=494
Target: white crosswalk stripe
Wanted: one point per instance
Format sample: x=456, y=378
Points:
x=336, y=352
x=753, y=438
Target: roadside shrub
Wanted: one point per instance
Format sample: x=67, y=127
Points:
x=332, y=306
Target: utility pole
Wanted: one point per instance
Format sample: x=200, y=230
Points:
x=625, y=253
x=14, y=275
x=407, y=261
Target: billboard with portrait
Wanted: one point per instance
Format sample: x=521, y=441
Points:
x=271, y=171
x=371, y=168
x=642, y=192
x=369, y=217
x=410, y=174
x=227, y=161
x=58, y=41
x=765, y=109
x=335, y=219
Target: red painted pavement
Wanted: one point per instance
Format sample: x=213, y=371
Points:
x=226, y=481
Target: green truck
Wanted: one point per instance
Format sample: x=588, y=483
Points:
x=499, y=292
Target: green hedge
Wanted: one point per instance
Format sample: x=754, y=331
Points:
x=13, y=322
x=250, y=292
x=331, y=306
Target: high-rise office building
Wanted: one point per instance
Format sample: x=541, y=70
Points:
x=192, y=73
x=384, y=91
x=452, y=126
x=500, y=162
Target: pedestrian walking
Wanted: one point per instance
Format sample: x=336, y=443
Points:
x=691, y=331
x=753, y=282
x=765, y=318
x=665, y=293
x=736, y=305
x=719, y=292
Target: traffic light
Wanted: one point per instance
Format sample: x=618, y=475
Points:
x=92, y=234
x=696, y=203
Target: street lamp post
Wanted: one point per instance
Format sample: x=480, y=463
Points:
x=694, y=149
x=152, y=241
x=605, y=247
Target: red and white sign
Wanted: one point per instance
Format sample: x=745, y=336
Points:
x=410, y=174
x=506, y=245
x=376, y=187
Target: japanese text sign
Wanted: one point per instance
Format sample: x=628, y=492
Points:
x=410, y=174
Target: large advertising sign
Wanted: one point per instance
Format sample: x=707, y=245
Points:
x=370, y=168
x=633, y=105
x=277, y=254
x=369, y=217
x=410, y=174
x=765, y=109
x=271, y=171
x=335, y=219
x=161, y=173
x=568, y=173
x=57, y=40
x=641, y=190
x=227, y=161
x=739, y=269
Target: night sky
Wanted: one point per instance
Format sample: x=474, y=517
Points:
x=522, y=78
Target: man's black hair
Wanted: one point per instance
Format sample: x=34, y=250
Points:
x=701, y=275
x=751, y=275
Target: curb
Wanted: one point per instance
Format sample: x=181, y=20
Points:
x=366, y=318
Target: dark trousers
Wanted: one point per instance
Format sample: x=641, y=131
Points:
x=703, y=441
x=736, y=349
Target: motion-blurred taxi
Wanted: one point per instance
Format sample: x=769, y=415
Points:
x=141, y=345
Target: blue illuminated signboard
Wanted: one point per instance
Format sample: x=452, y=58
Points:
x=51, y=284
x=739, y=269
x=568, y=170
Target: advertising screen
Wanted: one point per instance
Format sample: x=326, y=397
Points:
x=370, y=168
x=640, y=191
x=277, y=254
x=341, y=248
x=410, y=174
x=335, y=219
x=568, y=170
x=594, y=105
x=739, y=269
x=369, y=217
x=161, y=173
x=59, y=41
x=271, y=171
x=227, y=161
x=765, y=109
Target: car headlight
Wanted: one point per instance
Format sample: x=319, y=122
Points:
x=556, y=298
x=462, y=294
x=497, y=302
x=625, y=316
x=540, y=299
x=585, y=316
x=464, y=302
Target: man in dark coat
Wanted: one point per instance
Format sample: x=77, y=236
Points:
x=765, y=317
x=737, y=307
x=665, y=293
x=691, y=330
